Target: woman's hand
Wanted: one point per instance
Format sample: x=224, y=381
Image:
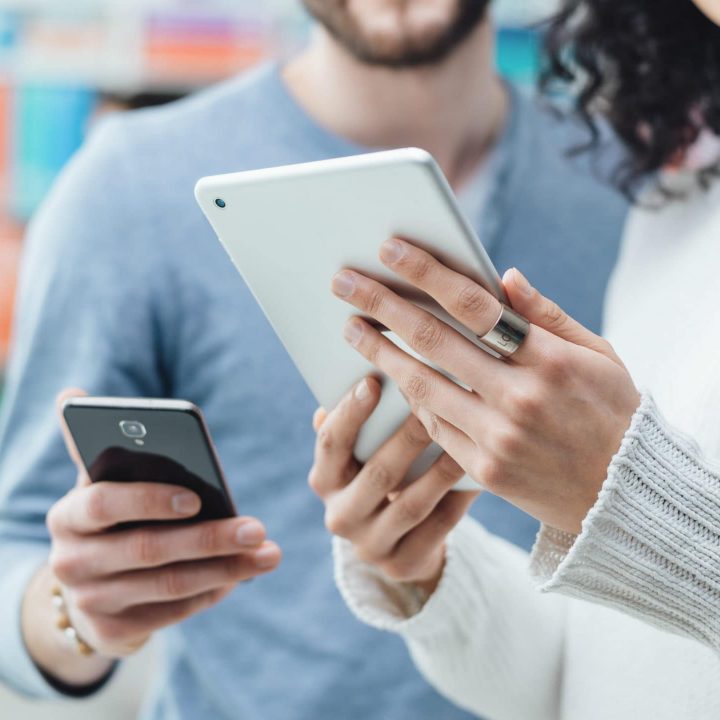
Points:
x=400, y=528
x=539, y=429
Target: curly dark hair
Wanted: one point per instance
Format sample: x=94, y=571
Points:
x=651, y=66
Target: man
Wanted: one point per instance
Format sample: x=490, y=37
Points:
x=125, y=291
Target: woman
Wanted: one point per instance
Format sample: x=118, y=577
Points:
x=630, y=505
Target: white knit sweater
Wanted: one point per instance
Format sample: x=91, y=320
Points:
x=649, y=553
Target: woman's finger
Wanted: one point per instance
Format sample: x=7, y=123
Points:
x=467, y=301
x=429, y=336
x=409, y=507
x=411, y=552
x=452, y=440
x=337, y=437
x=414, y=504
x=420, y=384
x=545, y=313
x=381, y=475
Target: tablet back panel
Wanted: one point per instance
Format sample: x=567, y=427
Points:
x=288, y=230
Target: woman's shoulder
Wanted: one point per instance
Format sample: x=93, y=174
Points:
x=674, y=224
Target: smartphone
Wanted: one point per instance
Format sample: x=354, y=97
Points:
x=143, y=440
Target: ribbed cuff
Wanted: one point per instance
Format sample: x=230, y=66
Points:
x=16, y=666
x=651, y=544
x=396, y=607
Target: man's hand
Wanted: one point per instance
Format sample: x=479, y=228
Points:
x=122, y=586
x=400, y=528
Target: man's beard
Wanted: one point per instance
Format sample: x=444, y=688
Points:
x=408, y=52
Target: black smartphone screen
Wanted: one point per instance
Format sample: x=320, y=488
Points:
x=144, y=444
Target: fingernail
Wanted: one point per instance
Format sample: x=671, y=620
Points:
x=250, y=534
x=392, y=251
x=267, y=557
x=318, y=418
x=343, y=284
x=353, y=332
x=522, y=283
x=362, y=391
x=186, y=503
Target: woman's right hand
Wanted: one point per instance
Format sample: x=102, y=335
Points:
x=399, y=528
x=122, y=586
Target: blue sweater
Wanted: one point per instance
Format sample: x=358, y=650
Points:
x=126, y=291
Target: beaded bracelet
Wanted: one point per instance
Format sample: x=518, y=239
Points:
x=64, y=624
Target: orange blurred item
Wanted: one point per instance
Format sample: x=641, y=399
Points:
x=176, y=60
x=10, y=243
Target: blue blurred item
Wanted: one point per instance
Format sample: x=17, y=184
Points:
x=49, y=126
x=9, y=31
x=518, y=55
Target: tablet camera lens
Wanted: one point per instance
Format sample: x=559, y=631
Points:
x=221, y=203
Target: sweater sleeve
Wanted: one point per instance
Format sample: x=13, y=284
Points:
x=486, y=639
x=650, y=546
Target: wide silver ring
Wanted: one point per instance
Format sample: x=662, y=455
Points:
x=508, y=334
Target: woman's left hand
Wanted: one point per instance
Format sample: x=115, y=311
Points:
x=539, y=429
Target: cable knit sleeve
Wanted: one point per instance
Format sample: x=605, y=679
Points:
x=651, y=544
x=486, y=639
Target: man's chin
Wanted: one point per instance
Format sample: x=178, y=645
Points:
x=390, y=40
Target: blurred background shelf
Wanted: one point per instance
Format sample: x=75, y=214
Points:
x=62, y=61
x=182, y=44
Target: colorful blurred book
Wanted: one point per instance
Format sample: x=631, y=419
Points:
x=57, y=60
x=201, y=48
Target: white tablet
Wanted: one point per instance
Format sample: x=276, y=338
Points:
x=289, y=229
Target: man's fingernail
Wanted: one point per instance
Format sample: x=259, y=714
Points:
x=250, y=534
x=186, y=503
x=353, y=332
x=392, y=251
x=362, y=391
x=343, y=284
x=267, y=557
x=522, y=283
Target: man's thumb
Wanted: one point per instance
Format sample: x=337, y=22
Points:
x=60, y=401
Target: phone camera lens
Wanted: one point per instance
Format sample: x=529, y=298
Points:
x=221, y=203
x=133, y=429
